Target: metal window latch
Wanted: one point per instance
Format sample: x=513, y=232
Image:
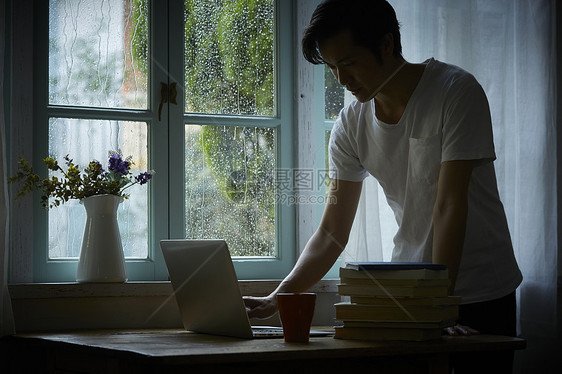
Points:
x=167, y=95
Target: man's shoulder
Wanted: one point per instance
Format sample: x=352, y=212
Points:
x=355, y=110
x=449, y=75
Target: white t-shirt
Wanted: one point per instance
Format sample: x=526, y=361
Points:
x=447, y=118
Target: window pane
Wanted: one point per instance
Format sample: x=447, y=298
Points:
x=84, y=141
x=229, y=57
x=229, y=187
x=98, y=53
x=334, y=95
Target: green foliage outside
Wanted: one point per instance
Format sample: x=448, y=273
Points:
x=229, y=57
x=139, y=33
x=231, y=197
x=229, y=70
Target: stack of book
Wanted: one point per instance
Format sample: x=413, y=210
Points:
x=395, y=301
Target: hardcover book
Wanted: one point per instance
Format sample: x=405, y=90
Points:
x=364, y=312
x=380, y=290
x=394, y=266
x=386, y=270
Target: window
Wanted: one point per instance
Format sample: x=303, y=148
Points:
x=216, y=144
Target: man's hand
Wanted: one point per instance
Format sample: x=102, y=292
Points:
x=260, y=307
x=460, y=330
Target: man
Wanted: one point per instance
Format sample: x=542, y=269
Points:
x=424, y=132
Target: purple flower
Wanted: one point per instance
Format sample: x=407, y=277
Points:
x=117, y=165
x=143, y=178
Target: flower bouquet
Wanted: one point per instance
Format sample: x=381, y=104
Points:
x=94, y=180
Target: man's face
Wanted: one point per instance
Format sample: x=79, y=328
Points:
x=355, y=67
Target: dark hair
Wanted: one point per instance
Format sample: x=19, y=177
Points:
x=367, y=20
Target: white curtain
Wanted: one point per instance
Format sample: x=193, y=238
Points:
x=6, y=318
x=509, y=45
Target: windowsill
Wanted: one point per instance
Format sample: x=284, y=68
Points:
x=68, y=306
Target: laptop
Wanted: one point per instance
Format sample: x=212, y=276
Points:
x=207, y=292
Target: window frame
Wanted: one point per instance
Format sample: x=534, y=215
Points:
x=166, y=187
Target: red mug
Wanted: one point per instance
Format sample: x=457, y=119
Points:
x=296, y=311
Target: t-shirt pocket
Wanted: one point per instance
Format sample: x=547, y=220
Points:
x=424, y=159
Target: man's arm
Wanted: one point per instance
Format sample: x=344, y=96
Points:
x=321, y=251
x=450, y=215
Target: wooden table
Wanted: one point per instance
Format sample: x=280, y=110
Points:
x=174, y=351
